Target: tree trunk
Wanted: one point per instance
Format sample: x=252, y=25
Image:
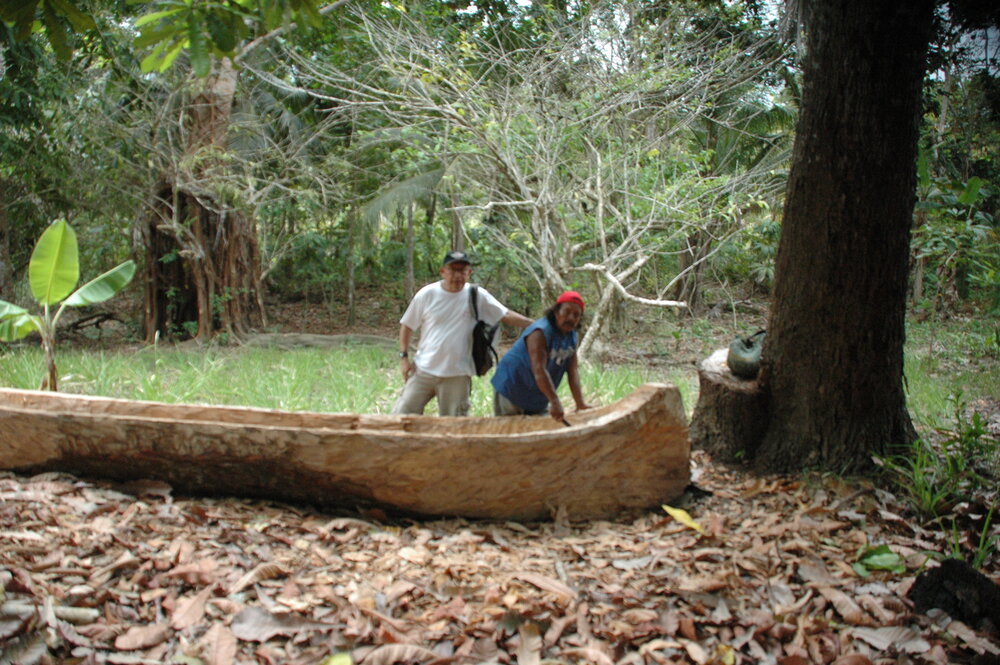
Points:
x=920, y=265
x=51, y=380
x=731, y=415
x=353, y=220
x=411, y=280
x=202, y=268
x=832, y=368
x=6, y=271
x=598, y=326
x=457, y=229
x=690, y=263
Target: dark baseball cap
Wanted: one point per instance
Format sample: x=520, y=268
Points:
x=456, y=256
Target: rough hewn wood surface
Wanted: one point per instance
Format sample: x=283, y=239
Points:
x=629, y=455
x=729, y=418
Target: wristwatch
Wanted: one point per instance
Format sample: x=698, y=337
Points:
x=404, y=354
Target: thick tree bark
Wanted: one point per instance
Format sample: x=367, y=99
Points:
x=832, y=368
x=202, y=268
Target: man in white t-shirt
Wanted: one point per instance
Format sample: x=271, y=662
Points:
x=442, y=366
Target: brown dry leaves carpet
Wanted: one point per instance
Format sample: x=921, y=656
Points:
x=94, y=573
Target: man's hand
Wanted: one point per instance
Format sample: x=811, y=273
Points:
x=556, y=410
x=407, y=368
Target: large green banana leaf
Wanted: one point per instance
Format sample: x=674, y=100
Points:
x=54, y=268
x=103, y=287
x=16, y=322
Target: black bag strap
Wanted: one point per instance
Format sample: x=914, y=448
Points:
x=474, y=296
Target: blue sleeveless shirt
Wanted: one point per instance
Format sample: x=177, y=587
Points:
x=513, y=377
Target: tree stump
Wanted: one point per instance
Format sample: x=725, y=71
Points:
x=731, y=415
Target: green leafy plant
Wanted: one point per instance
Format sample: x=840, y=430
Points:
x=211, y=29
x=938, y=474
x=53, y=273
x=920, y=475
x=878, y=558
x=955, y=241
x=955, y=541
x=969, y=433
x=981, y=548
x=987, y=543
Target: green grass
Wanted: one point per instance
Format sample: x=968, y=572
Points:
x=949, y=359
x=943, y=360
x=355, y=379
x=345, y=379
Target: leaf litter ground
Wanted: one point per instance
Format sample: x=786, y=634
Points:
x=98, y=573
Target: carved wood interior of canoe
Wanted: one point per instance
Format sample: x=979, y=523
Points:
x=628, y=455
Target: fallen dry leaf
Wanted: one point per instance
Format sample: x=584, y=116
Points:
x=226, y=581
x=218, y=645
x=846, y=607
x=591, y=655
x=397, y=653
x=696, y=652
x=853, y=659
x=546, y=584
x=900, y=638
x=529, y=648
x=142, y=637
x=683, y=517
x=417, y=555
x=255, y=624
x=978, y=644
x=259, y=573
x=190, y=610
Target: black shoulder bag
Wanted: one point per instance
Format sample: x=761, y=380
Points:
x=483, y=354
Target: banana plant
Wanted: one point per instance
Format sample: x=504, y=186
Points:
x=53, y=273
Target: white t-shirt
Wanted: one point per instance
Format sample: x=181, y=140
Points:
x=445, y=323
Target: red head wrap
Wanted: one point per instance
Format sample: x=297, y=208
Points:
x=570, y=296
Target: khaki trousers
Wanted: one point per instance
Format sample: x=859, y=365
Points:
x=504, y=407
x=452, y=393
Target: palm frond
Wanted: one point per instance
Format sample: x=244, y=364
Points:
x=399, y=194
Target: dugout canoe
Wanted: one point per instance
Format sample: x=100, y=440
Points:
x=632, y=454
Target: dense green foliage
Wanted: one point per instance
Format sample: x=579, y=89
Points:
x=564, y=146
x=548, y=139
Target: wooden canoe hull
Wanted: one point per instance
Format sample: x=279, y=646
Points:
x=633, y=454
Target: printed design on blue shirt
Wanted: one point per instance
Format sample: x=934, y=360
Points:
x=560, y=356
